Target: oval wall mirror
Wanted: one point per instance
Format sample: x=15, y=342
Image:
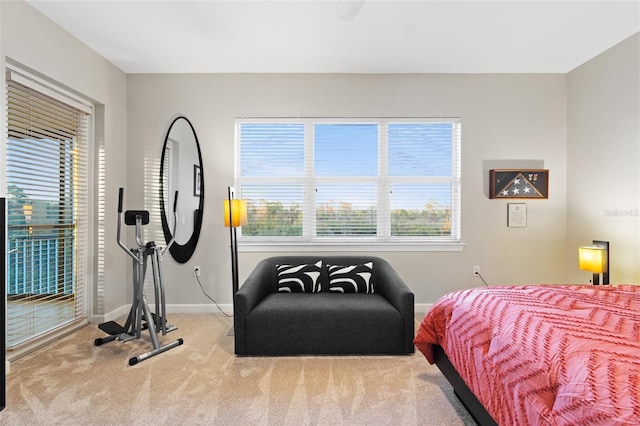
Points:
x=181, y=170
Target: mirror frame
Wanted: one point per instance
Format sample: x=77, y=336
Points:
x=182, y=252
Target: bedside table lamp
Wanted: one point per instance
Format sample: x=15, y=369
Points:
x=235, y=215
x=595, y=259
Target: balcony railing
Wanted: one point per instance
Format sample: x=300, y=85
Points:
x=40, y=261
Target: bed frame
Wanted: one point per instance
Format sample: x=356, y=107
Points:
x=461, y=390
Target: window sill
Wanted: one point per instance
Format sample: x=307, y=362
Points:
x=255, y=247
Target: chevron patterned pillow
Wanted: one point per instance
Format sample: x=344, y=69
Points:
x=299, y=278
x=351, y=278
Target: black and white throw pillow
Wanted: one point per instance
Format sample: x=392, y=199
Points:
x=299, y=278
x=351, y=278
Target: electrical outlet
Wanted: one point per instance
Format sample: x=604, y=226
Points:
x=476, y=271
x=196, y=271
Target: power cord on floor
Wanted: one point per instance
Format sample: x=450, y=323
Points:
x=211, y=298
x=482, y=278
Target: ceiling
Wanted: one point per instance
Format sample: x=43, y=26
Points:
x=347, y=36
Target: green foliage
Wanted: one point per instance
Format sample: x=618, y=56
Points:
x=274, y=219
x=433, y=220
x=344, y=220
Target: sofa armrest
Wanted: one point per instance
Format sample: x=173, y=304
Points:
x=393, y=288
x=255, y=288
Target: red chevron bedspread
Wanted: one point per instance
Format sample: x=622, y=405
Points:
x=543, y=355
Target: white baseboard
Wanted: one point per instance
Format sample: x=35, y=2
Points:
x=228, y=308
x=111, y=316
x=199, y=308
x=172, y=308
x=420, y=308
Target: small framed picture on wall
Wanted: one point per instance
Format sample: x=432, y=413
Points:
x=197, y=179
x=516, y=215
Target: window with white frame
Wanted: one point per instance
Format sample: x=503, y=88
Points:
x=343, y=181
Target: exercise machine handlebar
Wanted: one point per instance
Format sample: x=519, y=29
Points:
x=139, y=225
x=120, y=196
x=120, y=243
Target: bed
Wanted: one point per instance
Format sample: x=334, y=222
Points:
x=539, y=355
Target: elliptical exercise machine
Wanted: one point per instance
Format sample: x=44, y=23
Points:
x=140, y=311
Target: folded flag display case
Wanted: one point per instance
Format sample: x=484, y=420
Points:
x=512, y=183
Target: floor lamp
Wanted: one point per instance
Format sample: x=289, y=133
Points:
x=235, y=215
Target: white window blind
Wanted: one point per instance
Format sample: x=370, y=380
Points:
x=332, y=180
x=48, y=238
x=273, y=168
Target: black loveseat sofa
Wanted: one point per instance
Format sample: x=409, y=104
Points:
x=270, y=320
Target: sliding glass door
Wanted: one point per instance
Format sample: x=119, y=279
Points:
x=47, y=210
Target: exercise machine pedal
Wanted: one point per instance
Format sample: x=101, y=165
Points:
x=112, y=328
x=160, y=322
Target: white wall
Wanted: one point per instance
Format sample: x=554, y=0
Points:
x=604, y=159
x=32, y=40
x=507, y=119
x=504, y=117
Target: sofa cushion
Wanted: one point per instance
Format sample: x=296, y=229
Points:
x=324, y=323
x=351, y=278
x=303, y=278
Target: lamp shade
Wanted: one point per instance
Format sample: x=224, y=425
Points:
x=593, y=259
x=238, y=213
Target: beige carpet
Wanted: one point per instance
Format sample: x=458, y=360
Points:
x=73, y=382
